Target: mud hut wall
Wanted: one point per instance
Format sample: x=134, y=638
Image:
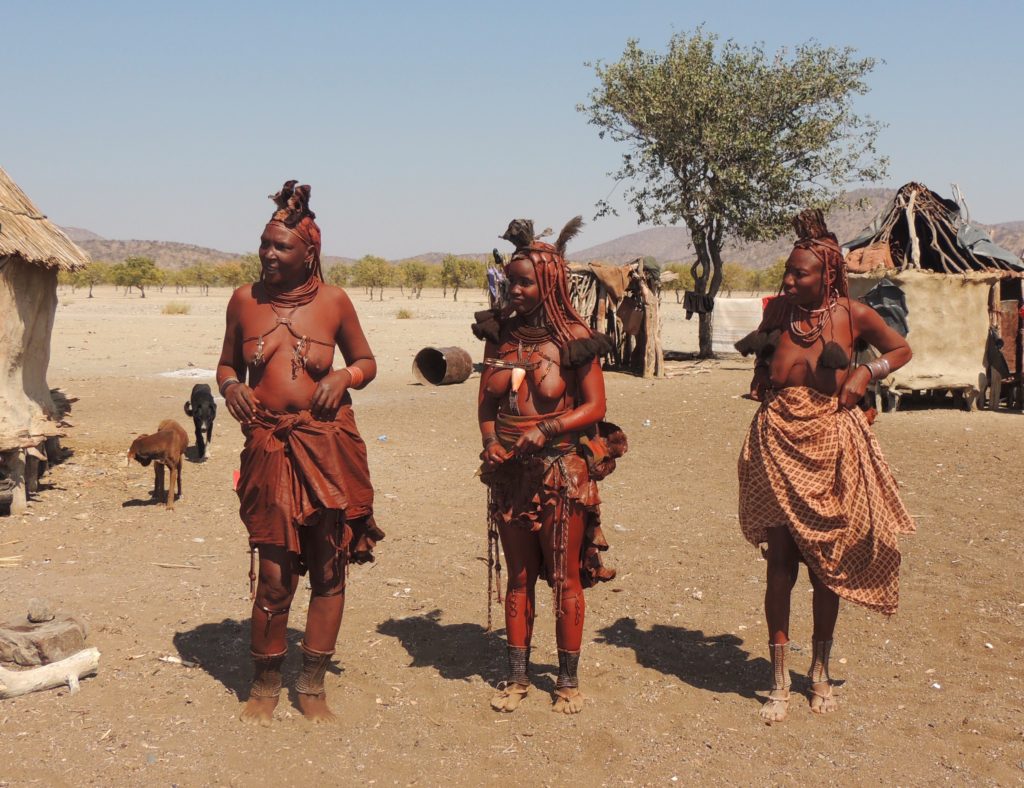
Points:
x=948, y=316
x=28, y=305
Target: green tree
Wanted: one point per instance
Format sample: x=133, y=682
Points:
x=732, y=141
x=230, y=274
x=140, y=272
x=682, y=282
x=736, y=277
x=460, y=272
x=770, y=279
x=252, y=268
x=201, y=275
x=415, y=274
x=372, y=272
x=337, y=275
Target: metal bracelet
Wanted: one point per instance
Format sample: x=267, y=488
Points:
x=226, y=384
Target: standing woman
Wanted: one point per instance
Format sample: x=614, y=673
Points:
x=304, y=484
x=541, y=398
x=813, y=483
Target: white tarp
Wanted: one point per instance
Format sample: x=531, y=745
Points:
x=733, y=319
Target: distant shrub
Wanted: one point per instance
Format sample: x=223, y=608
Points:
x=403, y=314
x=176, y=308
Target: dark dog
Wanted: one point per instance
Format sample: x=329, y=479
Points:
x=165, y=447
x=203, y=411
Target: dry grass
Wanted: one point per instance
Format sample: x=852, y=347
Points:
x=176, y=308
x=403, y=314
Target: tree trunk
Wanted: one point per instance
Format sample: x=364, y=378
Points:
x=90, y=291
x=707, y=280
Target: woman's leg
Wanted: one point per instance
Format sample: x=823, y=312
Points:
x=274, y=594
x=783, y=566
x=523, y=561
x=569, y=592
x=321, y=546
x=826, y=610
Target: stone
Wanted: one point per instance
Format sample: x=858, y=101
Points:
x=25, y=643
x=39, y=611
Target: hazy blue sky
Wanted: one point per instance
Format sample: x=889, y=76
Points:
x=427, y=126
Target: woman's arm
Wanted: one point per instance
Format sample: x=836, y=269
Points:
x=894, y=352
x=487, y=412
x=360, y=365
x=231, y=368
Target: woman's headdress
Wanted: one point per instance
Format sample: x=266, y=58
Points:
x=294, y=215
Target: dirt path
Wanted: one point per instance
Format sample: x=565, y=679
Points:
x=674, y=649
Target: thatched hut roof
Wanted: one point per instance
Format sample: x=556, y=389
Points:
x=924, y=230
x=27, y=233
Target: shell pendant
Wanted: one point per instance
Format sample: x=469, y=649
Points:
x=518, y=376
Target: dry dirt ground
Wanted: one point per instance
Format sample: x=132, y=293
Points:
x=674, y=654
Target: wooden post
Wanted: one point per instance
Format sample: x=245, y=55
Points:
x=15, y=462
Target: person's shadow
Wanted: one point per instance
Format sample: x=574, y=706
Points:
x=222, y=650
x=710, y=662
x=456, y=651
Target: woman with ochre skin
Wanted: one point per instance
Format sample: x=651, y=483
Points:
x=541, y=395
x=813, y=483
x=304, y=485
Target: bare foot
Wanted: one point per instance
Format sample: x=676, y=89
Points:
x=259, y=711
x=822, y=699
x=315, y=709
x=776, y=707
x=568, y=701
x=508, y=697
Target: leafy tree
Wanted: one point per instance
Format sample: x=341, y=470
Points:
x=732, y=141
x=682, y=282
x=736, y=277
x=137, y=272
x=180, y=279
x=337, y=275
x=415, y=274
x=459, y=272
x=230, y=274
x=252, y=268
x=201, y=275
x=372, y=272
x=770, y=278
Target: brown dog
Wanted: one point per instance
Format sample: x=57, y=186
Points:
x=166, y=446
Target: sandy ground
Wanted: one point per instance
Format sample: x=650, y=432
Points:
x=674, y=654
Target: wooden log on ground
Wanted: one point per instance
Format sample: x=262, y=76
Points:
x=64, y=672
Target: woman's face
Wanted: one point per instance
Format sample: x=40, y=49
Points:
x=284, y=256
x=801, y=283
x=523, y=291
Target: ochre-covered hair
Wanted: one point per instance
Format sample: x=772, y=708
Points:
x=293, y=213
x=552, y=282
x=813, y=235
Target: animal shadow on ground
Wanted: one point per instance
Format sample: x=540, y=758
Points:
x=192, y=455
x=709, y=662
x=456, y=651
x=222, y=650
x=152, y=500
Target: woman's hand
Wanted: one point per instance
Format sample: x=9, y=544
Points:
x=329, y=393
x=530, y=441
x=241, y=402
x=853, y=389
x=494, y=454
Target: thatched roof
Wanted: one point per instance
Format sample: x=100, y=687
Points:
x=925, y=230
x=27, y=233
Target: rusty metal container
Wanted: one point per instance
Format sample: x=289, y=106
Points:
x=441, y=366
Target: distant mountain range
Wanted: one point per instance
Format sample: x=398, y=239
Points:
x=667, y=244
